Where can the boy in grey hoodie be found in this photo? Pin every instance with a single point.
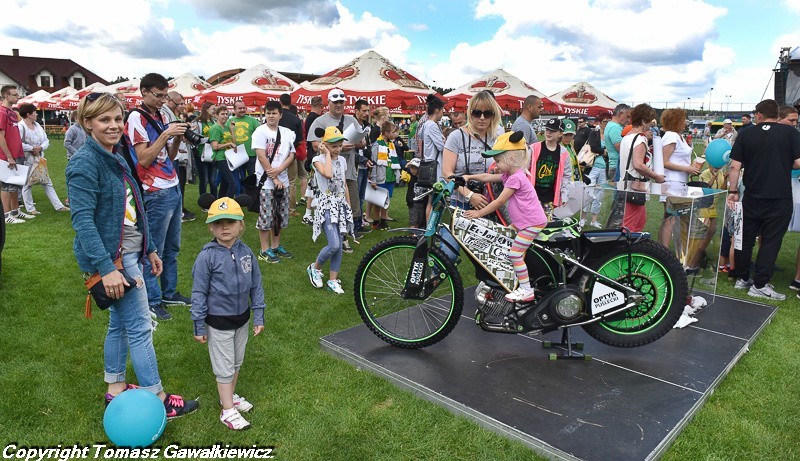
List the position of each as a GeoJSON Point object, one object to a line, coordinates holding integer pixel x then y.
{"type": "Point", "coordinates": [227, 286]}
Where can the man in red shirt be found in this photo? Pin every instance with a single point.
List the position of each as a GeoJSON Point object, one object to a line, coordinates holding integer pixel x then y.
{"type": "Point", "coordinates": [11, 152]}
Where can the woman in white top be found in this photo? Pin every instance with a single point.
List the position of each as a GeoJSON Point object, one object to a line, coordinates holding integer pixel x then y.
{"type": "Point", "coordinates": [637, 172]}
{"type": "Point", "coordinates": [677, 166]}
{"type": "Point", "coordinates": [34, 143]}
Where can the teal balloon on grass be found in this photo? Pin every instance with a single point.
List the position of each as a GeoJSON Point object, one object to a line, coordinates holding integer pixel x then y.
{"type": "Point", "coordinates": [718, 153]}
{"type": "Point", "coordinates": [135, 418]}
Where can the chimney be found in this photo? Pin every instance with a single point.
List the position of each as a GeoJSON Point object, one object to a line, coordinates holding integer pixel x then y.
{"type": "Point", "coordinates": [15, 52]}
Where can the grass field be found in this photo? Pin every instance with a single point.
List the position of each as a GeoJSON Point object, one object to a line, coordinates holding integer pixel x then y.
{"type": "Point", "coordinates": [309, 405]}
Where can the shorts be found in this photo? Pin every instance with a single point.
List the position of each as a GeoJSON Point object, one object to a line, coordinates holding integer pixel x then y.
{"type": "Point", "coordinates": [297, 170]}
{"type": "Point", "coordinates": [226, 349]}
{"type": "Point", "coordinates": [389, 186]}
{"type": "Point", "coordinates": [264, 222]}
{"type": "Point", "coordinates": [416, 215]}
{"type": "Point", "coordinates": [10, 188]}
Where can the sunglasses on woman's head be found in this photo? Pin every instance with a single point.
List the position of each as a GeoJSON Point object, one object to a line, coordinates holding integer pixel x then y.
{"type": "Point", "coordinates": [92, 97]}
{"type": "Point", "coordinates": [485, 113]}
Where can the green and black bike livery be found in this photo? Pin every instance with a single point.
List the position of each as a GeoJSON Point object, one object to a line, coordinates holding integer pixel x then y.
{"type": "Point", "coordinates": [622, 288]}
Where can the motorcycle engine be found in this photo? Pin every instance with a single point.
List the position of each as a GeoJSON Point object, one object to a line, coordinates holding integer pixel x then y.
{"type": "Point", "coordinates": [492, 301]}
{"type": "Point", "coordinates": [561, 306]}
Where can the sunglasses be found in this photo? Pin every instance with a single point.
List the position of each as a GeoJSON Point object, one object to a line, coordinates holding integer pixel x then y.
{"type": "Point", "coordinates": [485, 113]}
{"type": "Point", "coordinates": [92, 97]}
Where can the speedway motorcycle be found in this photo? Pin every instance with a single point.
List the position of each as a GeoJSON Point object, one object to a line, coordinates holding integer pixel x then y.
{"type": "Point", "coordinates": [622, 288]}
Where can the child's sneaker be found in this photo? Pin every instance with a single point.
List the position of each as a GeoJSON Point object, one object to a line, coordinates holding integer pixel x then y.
{"type": "Point", "coordinates": [234, 420]}
{"type": "Point", "coordinates": [520, 295]}
{"type": "Point", "coordinates": [767, 291]}
{"type": "Point", "coordinates": [177, 407]}
{"type": "Point", "coordinates": [110, 397]}
{"type": "Point", "coordinates": [582, 222]}
{"type": "Point", "coordinates": [314, 275]}
{"type": "Point", "coordinates": [335, 286]}
{"type": "Point", "coordinates": [269, 256]}
{"type": "Point", "coordinates": [595, 224]}
{"type": "Point", "coordinates": [281, 251]}
{"type": "Point", "coordinates": [308, 220]}
{"type": "Point", "coordinates": [795, 285]}
{"type": "Point", "coordinates": [346, 247]}
{"type": "Point", "coordinates": [241, 404]}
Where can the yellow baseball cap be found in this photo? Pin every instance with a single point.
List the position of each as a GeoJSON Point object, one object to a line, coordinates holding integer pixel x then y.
{"type": "Point", "coordinates": [224, 208]}
{"type": "Point", "coordinates": [513, 140]}
{"type": "Point", "coordinates": [332, 134]}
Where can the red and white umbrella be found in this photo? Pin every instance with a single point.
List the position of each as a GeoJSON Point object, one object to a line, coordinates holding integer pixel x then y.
{"type": "Point", "coordinates": [71, 102]}
{"type": "Point", "coordinates": [189, 86]}
{"type": "Point", "coordinates": [254, 86]}
{"type": "Point", "coordinates": [129, 89]}
{"type": "Point", "coordinates": [509, 91]}
{"type": "Point", "coordinates": [583, 99]}
{"type": "Point", "coordinates": [54, 101]}
{"type": "Point", "coordinates": [371, 77]}
{"type": "Point", "coordinates": [34, 98]}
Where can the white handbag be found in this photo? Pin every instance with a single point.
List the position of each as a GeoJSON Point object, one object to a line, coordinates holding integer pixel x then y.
{"type": "Point", "coordinates": [236, 157]}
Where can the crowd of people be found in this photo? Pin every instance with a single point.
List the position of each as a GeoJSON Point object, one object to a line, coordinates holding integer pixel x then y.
{"type": "Point", "coordinates": [127, 173]}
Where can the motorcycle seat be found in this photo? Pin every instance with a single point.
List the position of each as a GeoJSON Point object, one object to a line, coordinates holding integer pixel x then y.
{"type": "Point", "coordinates": [559, 230]}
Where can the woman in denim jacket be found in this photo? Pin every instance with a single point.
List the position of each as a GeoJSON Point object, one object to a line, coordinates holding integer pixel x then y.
{"type": "Point", "coordinates": [109, 220]}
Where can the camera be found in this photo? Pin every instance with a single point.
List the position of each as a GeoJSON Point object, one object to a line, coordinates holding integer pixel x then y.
{"type": "Point", "coordinates": [192, 137]}
{"type": "Point", "coordinates": [475, 186]}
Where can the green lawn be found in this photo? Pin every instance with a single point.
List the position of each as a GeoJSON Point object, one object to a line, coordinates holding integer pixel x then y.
{"type": "Point", "coordinates": [308, 404]}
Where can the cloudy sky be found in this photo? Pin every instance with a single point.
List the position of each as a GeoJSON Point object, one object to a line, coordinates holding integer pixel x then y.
{"type": "Point", "coordinates": [653, 51]}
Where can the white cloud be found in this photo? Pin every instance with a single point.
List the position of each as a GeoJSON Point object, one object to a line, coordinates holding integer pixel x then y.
{"type": "Point", "coordinates": [792, 5]}
{"type": "Point", "coordinates": [630, 49]}
{"type": "Point", "coordinates": [419, 27]}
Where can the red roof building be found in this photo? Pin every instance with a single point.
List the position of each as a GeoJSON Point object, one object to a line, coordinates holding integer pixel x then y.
{"type": "Point", "coordinates": [31, 74]}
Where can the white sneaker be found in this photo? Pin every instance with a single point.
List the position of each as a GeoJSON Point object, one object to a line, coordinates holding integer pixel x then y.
{"type": "Point", "coordinates": [233, 419]}
{"type": "Point", "coordinates": [742, 284]}
{"type": "Point", "coordinates": [13, 220]}
{"type": "Point", "coordinates": [25, 215]}
{"type": "Point", "coordinates": [520, 295]}
{"type": "Point", "coordinates": [582, 222]}
{"type": "Point", "coordinates": [767, 291]}
{"type": "Point", "coordinates": [596, 225]}
{"type": "Point", "coordinates": [241, 404]}
{"type": "Point", "coordinates": [314, 275]}
{"type": "Point", "coordinates": [335, 286]}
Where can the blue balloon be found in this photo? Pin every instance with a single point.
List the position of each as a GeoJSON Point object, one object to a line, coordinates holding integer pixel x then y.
{"type": "Point", "coordinates": [135, 418]}
{"type": "Point", "coordinates": [718, 153]}
{"type": "Point", "coordinates": [796, 173]}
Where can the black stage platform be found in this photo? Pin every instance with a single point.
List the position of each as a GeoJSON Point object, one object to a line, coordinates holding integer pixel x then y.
{"type": "Point", "coordinates": [624, 404]}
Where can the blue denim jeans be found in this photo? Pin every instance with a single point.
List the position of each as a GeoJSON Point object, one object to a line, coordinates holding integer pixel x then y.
{"type": "Point", "coordinates": [333, 250]}
{"type": "Point", "coordinates": [129, 329]}
{"type": "Point", "coordinates": [164, 219]}
{"type": "Point", "coordinates": [227, 180]}
{"type": "Point", "coordinates": [363, 179]}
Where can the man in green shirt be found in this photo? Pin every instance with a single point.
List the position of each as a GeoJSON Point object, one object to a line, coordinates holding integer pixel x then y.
{"type": "Point", "coordinates": [242, 127]}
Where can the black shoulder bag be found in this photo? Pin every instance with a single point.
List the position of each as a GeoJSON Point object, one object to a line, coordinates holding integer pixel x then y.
{"type": "Point", "coordinates": [428, 169]}
{"type": "Point", "coordinates": [634, 198]}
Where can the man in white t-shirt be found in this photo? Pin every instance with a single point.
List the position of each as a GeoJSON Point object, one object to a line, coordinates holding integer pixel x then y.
{"type": "Point", "coordinates": [274, 147]}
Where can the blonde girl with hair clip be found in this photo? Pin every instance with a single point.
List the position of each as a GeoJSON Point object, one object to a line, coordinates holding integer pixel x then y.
{"type": "Point", "coordinates": [524, 209]}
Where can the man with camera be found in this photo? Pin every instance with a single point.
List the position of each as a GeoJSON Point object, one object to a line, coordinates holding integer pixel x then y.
{"type": "Point", "coordinates": [155, 143]}
{"type": "Point", "coordinates": [172, 111]}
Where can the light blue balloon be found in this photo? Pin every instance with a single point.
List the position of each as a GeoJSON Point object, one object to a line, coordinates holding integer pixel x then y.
{"type": "Point", "coordinates": [135, 418]}
{"type": "Point", "coordinates": [796, 173]}
{"type": "Point", "coordinates": [718, 153]}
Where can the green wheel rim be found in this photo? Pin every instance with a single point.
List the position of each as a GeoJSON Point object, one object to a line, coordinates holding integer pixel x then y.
{"type": "Point", "coordinates": [435, 309]}
{"type": "Point", "coordinates": [652, 279]}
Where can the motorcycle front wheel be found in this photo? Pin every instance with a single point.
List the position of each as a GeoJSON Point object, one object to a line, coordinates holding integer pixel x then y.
{"type": "Point", "coordinates": [659, 277]}
{"type": "Point", "coordinates": [409, 323]}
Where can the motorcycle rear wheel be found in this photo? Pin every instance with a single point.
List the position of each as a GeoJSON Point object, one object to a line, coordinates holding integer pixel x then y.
{"type": "Point", "coordinates": [408, 323]}
{"type": "Point", "coordinates": [659, 276]}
